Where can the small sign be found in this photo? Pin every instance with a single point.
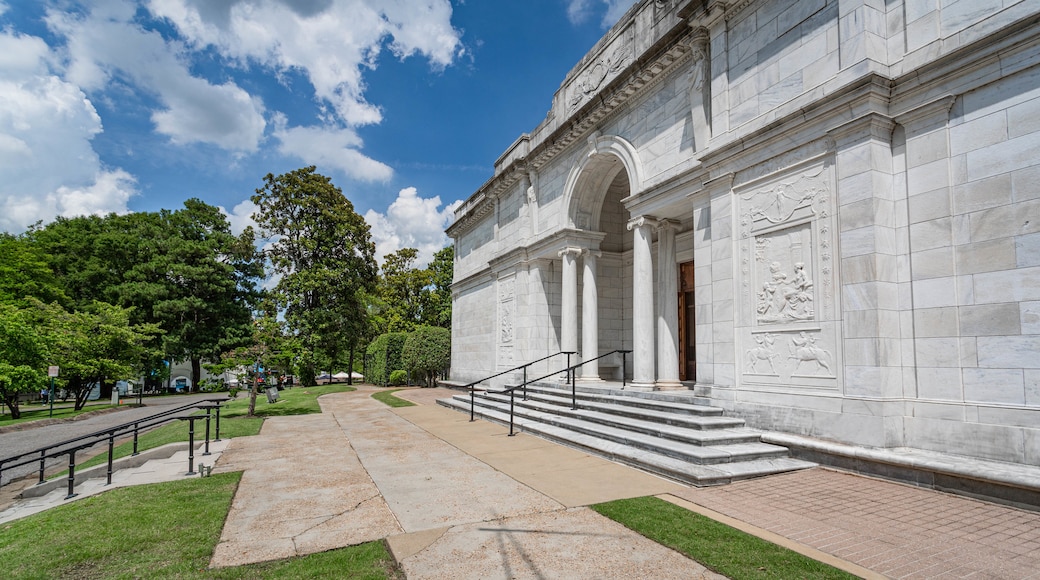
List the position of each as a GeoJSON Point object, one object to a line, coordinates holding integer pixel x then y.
{"type": "Point", "coordinates": [52, 371]}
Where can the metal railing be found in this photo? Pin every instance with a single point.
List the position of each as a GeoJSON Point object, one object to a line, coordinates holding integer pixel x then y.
{"type": "Point", "coordinates": [71, 446]}
{"type": "Point", "coordinates": [472, 386]}
{"type": "Point", "coordinates": [570, 376]}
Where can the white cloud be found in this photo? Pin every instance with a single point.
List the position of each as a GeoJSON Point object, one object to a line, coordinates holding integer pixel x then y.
{"type": "Point", "coordinates": [47, 164]}
{"type": "Point", "coordinates": [579, 11]}
{"type": "Point", "coordinates": [108, 45]}
{"type": "Point", "coordinates": [331, 41]}
{"type": "Point", "coordinates": [411, 222]}
{"type": "Point", "coordinates": [241, 216]}
{"type": "Point", "coordinates": [334, 147]}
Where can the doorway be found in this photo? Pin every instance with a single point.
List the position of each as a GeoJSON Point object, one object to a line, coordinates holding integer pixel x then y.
{"type": "Point", "coordinates": [687, 324]}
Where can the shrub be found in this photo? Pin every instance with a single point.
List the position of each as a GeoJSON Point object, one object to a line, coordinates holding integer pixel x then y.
{"type": "Point", "coordinates": [384, 355]}
{"type": "Point", "coordinates": [428, 352]}
{"type": "Point", "coordinates": [398, 377]}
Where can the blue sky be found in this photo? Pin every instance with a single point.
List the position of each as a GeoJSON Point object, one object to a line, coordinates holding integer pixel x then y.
{"type": "Point", "coordinates": [137, 105]}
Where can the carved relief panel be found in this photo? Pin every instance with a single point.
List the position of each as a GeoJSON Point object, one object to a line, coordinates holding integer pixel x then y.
{"type": "Point", "coordinates": [786, 328]}
{"type": "Point", "coordinates": [506, 320]}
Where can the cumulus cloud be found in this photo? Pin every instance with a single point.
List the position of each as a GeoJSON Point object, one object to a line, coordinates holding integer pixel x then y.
{"type": "Point", "coordinates": [335, 147]}
{"type": "Point", "coordinates": [580, 11]}
{"type": "Point", "coordinates": [411, 222]}
{"type": "Point", "coordinates": [47, 164]}
{"type": "Point", "coordinates": [241, 216]}
{"type": "Point", "coordinates": [331, 41]}
{"type": "Point", "coordinates": [108, 44]}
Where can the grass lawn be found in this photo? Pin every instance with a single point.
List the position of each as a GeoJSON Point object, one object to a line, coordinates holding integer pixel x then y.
{"type": "Point", "coordinates": [165, 530]}
{"type": "Point", "coordinates": [37, 412]}
{"type": "Point", "coordinates": [388, 398]}
{"type": "Point", "coordinates": [294, 401]}
{"type": "Point", "coordinates": [721, 548]}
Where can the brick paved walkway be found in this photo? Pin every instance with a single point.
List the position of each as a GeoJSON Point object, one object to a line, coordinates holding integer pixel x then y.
{"type": "Point", "coordinates": [894, 529]}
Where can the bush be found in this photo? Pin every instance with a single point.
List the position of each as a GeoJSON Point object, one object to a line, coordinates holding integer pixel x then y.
{"type": "Point", "coordinates": [398, 377]}
{"type": "Point", "coordinates": [384, 355]}
{"type": "Point", "coordinates": [428, 352]}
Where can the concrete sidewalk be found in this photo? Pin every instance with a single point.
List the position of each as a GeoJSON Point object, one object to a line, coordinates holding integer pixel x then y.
{"type": "Point", "coordinates": [456, 499]}
{"type": "Point", "coordinates": [362, 471]}
{"type": "Point", "coordinates": [464, 500]}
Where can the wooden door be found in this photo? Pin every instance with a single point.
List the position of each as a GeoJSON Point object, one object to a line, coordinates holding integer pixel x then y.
{"type": "Point", "coordinates": [687, 324]}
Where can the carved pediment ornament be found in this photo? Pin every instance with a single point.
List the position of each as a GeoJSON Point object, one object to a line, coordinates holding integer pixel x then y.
{"type": "Point", "coordinates": [593, 77]}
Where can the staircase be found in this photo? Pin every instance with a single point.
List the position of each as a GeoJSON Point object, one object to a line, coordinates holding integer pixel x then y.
{"type": "Point", "coordinates": [669, 434]}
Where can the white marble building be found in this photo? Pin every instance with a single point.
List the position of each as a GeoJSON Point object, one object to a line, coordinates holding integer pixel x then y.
{"type": "Point", "coordinates": [822, 214]}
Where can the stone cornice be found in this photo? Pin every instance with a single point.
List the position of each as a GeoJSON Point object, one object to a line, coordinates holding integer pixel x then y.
{"type": "Point", "coordinates": [636, 79]}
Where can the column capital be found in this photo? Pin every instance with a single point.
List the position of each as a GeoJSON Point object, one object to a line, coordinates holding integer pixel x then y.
{"type": "Point", "coordinates": [641, 221]}
{"type": "Point", "coordinates": [570, 251]}
{"type": "Point", "coordinates": [591, 252]}
{"type": "Point", "coordinates": [668, 224]}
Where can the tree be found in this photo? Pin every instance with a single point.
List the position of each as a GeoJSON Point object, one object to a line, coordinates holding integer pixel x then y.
{"type": "Point", "coordinates": [401, 289]}
{"type": "Point", "coordinates": [438, 300]}
{"type": "Point", "coordinates": [323, 251]}
{"type": "Point", "coordinates": [24, 272]}
{"type": "Point", "coordinates": [427, 351]}
{"type": "Point", "coordinates": [208, 284]}
{"type": "Point", "coordinates": [22, 357]}
{"type": "Point", "coordinates": [95, 345]}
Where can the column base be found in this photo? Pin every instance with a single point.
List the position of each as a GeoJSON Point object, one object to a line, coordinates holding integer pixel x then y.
{"type": "Point", "coordinates": [593, 379]}
{"type": "Point", "coordinates": [669, 386]}
{"type": "Point", "coordinates": [633, 386]}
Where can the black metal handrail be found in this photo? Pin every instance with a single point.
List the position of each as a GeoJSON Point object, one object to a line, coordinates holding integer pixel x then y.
{"type": "Point", "coordinates": [472, 386]}
{"type": "Point", "coordinates": [570, 376]}
{"type": "Point", "coordinates": [71, 446]}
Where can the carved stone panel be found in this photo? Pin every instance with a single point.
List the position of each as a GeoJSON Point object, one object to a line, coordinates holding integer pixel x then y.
{"type": "Point", "coordinates": [786, 331]}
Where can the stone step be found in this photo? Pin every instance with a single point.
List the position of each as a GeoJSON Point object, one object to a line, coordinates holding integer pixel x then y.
{"type": "Point", "coordinates": [693, 429]}
{"type": "Point", "coordinates": [631, 399]}
{"type": "Point", "coordinates": [701, 417]}
{"type": "Point", "coordinates": [654, 462]}
{"type": "Point", "coordinates": [677, 447]}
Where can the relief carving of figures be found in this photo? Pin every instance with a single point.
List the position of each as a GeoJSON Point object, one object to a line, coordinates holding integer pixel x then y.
{"type": "Point", "coordinates": [763, 352]}
{"type": "Point", "coordinates": [784, 300]}
{"type": "Point", "coordinates": [507, 322]}
{"type": "Point", "coordinates": [803, 349]}
{"type": "Point", "coordinates": [780, 202]}
{"type": "Point", "coordinates": [597, 73]}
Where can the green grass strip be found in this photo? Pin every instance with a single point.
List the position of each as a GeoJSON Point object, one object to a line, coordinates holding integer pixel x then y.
{"type": "Point", "coordinates": [388, 397]}
{"type": "Point", "coordinates": [294, 401]}
{"type": "Point", "coordinates": [717, 546]}
{"type": "Point", "coordinates": [165, 530]}
{"type": "Point", "coordinates": [37, 413]}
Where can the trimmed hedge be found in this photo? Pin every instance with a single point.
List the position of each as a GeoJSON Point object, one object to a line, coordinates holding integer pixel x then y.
{"type": "Point", "coordinates": [398, 377]}
{"type": "Point", "coordinates": [384, 356]}
{"type": "Point", "coordinates": [427, 352]}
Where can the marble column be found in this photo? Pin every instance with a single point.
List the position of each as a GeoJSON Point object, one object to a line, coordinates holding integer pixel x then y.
{"type": "Point", "coordinates": [569, 300]}
{"type": "Point", "coordinates": [642, 304]}
{"type": "Point", "coordinates": [667, 309]}
{"type": "Point", "coordinates": [589, 317]}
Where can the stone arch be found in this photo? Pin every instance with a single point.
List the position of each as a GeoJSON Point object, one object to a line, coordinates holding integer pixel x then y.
{"type": "Point", "coordinates": [607, 155]}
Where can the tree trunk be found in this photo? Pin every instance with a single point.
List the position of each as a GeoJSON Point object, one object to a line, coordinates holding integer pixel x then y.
{"type": "Point", "coordinates": [252, 395]}
{"type": "Point", "coordinates": [350, 365]}
{"type": "Point", "coordinates": [105, 388]}
{"type": "Point", "coordinates": [11, 401]}
{"type": "Point", "coordinates": [196, 373]}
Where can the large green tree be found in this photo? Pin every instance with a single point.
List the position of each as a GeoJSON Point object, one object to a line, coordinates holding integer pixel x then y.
{"type": "Point", "coordinates": [23, 356]}
{"type": "Point", "coordinates": [25, 272]}
{"type": "Point", "coordinates": [323, 251]}
{"type": "Point", "coordinates": [438, 292]}
{"type": "Point", "coordinates": [401, 288]}
{"type": "Point", "coordinates": [208, 284]}
{"type": "Point", "coordinates": [181, 270]}
{"type": "Point", "coordinates": [93, 346]}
